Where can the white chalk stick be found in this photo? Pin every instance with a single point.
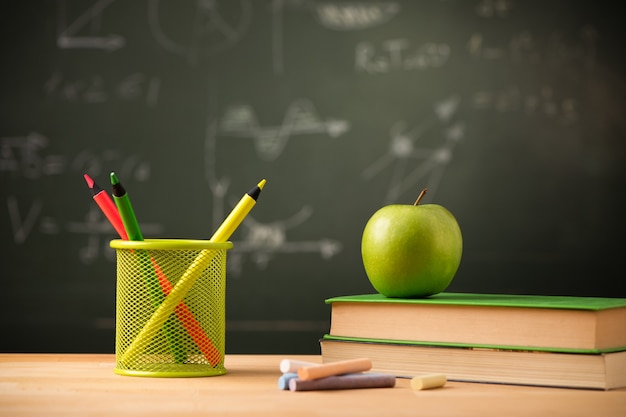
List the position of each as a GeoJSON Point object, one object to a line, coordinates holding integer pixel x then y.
{"type": "Point", "coordinates": [292, 365]}
{"type": "Point", "coordinates": [429, 381]}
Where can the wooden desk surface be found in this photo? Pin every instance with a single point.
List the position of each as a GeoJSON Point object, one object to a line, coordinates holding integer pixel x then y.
{"type": "Point", "coordinates": [85, 385]}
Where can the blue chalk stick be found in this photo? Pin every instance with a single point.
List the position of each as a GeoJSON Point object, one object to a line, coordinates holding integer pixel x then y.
{"type": "Point", "coordinates": [283, 381]}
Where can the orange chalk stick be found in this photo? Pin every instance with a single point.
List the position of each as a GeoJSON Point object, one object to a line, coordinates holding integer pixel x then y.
{"type": "Point", "coordinates": [334, 368]}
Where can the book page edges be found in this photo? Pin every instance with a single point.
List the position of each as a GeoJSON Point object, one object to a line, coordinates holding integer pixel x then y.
{"type": "Point", "coordinates": [474, 346]}
{"type": "Point", "coordinates": [615, 368]}
{"type": "Point", "coordinates": [507, 367]}
{"type": "Point", "coordinates": [493, 300]}
{"type": "Point", "coordinates": [556, 329]}
{"type": "Point", "coordinates": [611, 328]}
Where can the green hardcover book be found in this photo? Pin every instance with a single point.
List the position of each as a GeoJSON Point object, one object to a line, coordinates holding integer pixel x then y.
{"type": "Point", "coordinates": [526, 367]}
{"type": "Point", "coordinates": [499, 321]}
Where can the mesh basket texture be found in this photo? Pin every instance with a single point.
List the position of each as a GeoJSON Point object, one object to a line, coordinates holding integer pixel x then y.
{"type": "Point", "coordinates": [191, 340]}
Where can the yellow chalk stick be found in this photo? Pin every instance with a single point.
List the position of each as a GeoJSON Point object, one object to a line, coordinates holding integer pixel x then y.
{"type": "Point", "coordinates": [334, 368]}
{"type": "Point", "coordinates": [428, 381]}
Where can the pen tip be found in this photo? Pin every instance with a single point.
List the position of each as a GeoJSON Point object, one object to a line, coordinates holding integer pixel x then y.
{"type": "Point", "coordinates": [114, 179]}
{"type": "Point", "coordinates": [90, 182]}
{"type": "Point", "coordinates": [261, 184]}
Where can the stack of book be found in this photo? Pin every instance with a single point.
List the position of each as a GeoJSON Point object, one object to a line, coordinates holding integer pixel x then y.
{"type": "Point", "coordinates": [574, 342]}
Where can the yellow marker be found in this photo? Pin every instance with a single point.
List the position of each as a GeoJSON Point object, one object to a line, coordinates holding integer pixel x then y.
{"type": "Point", "coordinates": [237, 215]}
{"type": "Point", "coordinates": [189, 277]}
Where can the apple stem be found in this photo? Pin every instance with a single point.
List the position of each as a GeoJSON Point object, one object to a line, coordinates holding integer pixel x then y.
{"type": "Point", "coordinates": [419, 197]}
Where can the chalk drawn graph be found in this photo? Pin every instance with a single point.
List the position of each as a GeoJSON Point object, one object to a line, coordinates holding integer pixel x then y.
{"type": "Point", "coordinates": [301, 119]}
{"type": "Point", "coordinates": [410, 164]}
{"type": "Point", "coordinates": [263, 241]}
{"type": "Point", "coordinates": [403, 153]}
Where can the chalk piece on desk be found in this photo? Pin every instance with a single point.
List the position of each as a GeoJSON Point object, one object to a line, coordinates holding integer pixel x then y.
{"type": "Point", "coordinates": [335, 368]}
{"type": "Point", "coordinates": [292, 365]}
{"type": "Point", "coordinates": [421, 382]}
{"type": "Point", "coordinates": [349, 381]}
{"type": "Point", "coordinates": [283, 381]}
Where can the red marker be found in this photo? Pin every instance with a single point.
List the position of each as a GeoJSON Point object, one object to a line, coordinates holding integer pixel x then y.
{"type": "Point", "coordinates": [107, 206]}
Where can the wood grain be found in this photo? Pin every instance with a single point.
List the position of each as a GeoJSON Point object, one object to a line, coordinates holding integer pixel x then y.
{"type": "Point", "coordinates": [85, 385]}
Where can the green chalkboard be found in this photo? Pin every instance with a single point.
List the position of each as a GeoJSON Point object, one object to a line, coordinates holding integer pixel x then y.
{"type": "Point", "coordinates": [510, 112]}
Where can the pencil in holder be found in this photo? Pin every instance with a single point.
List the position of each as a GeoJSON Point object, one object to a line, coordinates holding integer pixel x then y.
{"type": "Point", "coordinates": [189, 340]}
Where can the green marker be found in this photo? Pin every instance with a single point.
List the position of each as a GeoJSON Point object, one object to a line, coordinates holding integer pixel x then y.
{"type": "Point", "coordinates": [152, 284]}
{"type": "Point", "coordinates": [126, 209]}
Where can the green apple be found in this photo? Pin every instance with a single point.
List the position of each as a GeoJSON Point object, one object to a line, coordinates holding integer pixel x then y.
{"type": "Point", "coordinates": [411, 250]}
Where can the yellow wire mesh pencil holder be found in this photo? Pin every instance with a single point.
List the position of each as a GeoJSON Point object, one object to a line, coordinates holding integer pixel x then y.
{"type": "Point", "coordinates": [191, 340]}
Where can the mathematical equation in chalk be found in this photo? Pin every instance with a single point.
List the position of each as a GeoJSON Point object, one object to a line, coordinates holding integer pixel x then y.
{"type": "Point", "coordinates": [218, 28]}
{"type": "Point", "coordinates": [95, 89]}
{"type": "Point", "coordinates": [29, 217]}
{"type": "Point", "coordinates": [523, 48]}
{"type": "Point", "coordinates": [541, 102]}
{"type": "Point", "coordinates": [29, 158]}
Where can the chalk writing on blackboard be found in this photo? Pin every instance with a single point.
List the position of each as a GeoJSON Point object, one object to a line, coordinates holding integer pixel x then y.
{"type": "Point", "coordinates": [541, 102]}
{"type": "Point", "coordinates": [22, 155]}
{"type": "Point", "coordinates": [434, 160]}
{"type": "Point", "coordinates": [354, 15]}
{"type": "Point", "coordinates": [98, 233]}
{"type": "Point", "coordinates": [27, 156]}
{"type": "Point", "coordinates": [22, 224]}
{"type": "Point", "coordinates": [301, 119]}
{"type": "Point", "coordinates": [27, 217]}
{"type": "Point", "coordinates": [399, 55]}
{"type": "Point", "coordinates": [524, 48]}
{"type": "Point", "coordinates": [96, 89]}
{"type": "Point", "coordinates": [341, 16]}
{"type": "Point", "coordinates": [263, 241]}
{"type": "Point", "coordinates": [71, 29]}
{"type": "Point", "coordinates": [209, 30]}
{"type": "Point", "coordinates": [494, 8]}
